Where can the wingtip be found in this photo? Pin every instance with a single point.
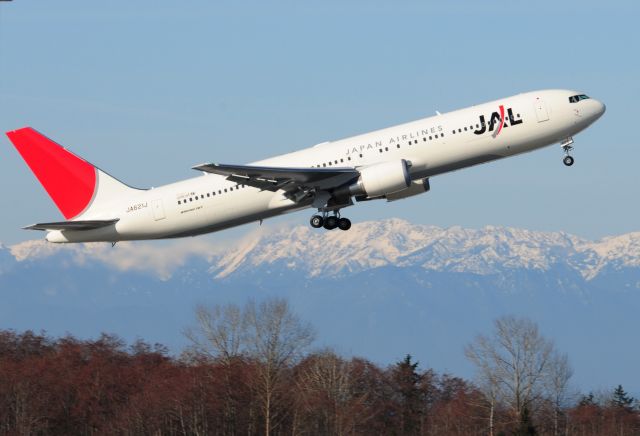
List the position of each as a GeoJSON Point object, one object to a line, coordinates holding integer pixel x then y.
{"type": "Point", "coordinates": [200, 167]}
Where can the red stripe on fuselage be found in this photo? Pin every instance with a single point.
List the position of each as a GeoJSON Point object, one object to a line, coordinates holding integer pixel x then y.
{"type": "Point", "coordinates": [69, 180]}
{"type": "Point", "coordinates": [501, 120]}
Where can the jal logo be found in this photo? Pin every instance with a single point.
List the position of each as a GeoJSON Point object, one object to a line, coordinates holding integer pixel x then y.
{"type": "Point", "coordinates": [499, 119]}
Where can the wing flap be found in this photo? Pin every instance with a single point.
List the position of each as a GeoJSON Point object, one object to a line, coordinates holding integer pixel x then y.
{"type": "Point", "coordinates": [72, 225]}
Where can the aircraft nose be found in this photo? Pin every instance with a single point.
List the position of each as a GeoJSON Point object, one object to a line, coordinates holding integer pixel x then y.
{"type": "Point", "coordinates": [598, 109]}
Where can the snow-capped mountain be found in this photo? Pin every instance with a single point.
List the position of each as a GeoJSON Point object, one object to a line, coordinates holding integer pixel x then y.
{"type": "Point", "coordinates": [366, 246]}
{"type": "Point", "coordinates": [380, 290]}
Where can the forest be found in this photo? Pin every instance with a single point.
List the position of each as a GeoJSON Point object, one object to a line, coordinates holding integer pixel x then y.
{"type": "Point", "coordinates": [252, 370]}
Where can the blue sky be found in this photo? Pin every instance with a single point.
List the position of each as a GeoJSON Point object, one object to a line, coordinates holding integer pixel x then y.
{"type": "Point", "coordinates": [146, 90]}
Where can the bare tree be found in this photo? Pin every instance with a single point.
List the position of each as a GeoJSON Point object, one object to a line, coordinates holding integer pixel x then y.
{"type": "Point", "coordinates": [513, 363]}
{"type": "Point", "coordinates": [489, 390]}
{"type": "Point", "coordinates": [558, 377]}
{"type": "Point", "coordinates": [276, 338]}
{"type": "Point", "coordinates": [268, 333]}
{"type": "Point", "coordinates": [220, 332]}
{"type": "Point", "coordinates": [325, 384]}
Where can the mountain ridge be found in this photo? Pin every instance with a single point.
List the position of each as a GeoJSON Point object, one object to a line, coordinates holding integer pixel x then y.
{"type": "Point", "coordinates": [368, 245]}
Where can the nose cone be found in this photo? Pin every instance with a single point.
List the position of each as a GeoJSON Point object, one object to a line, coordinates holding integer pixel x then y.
{"type": "Point", "coordinates": [597, 109]}
{"type": "Point", "coordinates": [601, 108]}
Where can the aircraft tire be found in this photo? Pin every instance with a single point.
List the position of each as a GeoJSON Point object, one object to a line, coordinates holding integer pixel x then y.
{"type": "Point", "coordinates": [330, 223]}
{"type": "Point", "coordinates": [344, 224]}
{"type": "Point", "coordinates": [568, 160]}
{"type": "Point", "coordinates": [316, 221]}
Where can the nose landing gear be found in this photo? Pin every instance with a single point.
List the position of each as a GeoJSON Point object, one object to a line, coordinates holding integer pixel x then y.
{"type": "Point", "coordinates": [567, 146]}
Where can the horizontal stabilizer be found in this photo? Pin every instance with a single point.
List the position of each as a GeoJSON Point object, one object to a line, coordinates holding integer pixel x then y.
{"type": "Point", "coordinates": [72, 225]}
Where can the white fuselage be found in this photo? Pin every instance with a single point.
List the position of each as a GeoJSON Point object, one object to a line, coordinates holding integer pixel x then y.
{"type": "Point", "coordinates": [433, 146]}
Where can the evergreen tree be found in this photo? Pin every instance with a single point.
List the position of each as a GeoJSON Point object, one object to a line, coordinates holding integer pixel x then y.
{"type": "Point", "coordinates": [407, 385]}
{"type": "Point", "coordinates": [587, 400]}
{"type": "Point", "coordinates": [622, 399]}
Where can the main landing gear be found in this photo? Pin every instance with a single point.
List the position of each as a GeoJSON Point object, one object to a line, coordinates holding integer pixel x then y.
{"type": "Point", "coordinates": [330, 222]}
{"type": "Point", "coordinates": [567, 146]}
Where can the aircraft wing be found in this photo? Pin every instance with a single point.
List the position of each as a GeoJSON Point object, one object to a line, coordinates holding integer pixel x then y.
{"type": "Point", "coordinates": [287, 178]}
{"type": "Point", "coordinates": [72, 225]}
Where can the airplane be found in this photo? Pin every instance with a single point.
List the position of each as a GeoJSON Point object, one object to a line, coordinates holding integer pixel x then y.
{"type": "Point", "coordinates": [391, 164]}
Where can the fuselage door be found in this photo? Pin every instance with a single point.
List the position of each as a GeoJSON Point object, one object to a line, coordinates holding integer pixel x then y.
{"type": "Point", "coordinates": [541, 110]}
{"type": "Point", "coordinates": [158, 210]}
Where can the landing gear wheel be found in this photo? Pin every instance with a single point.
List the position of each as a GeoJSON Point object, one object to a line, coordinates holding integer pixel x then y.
{"type": "Point", "coordinates": [330, 222]}
{"type": "Point", "coordinates": [316, 221]}
{"type": "Point", "coordinates": [344, 224]}
{"type": "Point", "coordinates": [568, 161]}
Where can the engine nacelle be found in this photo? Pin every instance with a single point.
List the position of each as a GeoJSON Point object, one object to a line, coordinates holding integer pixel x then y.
{"type": "Point", "coordinates": [417, 187]}
{"type": "Point", "coordinates": [384, 178]}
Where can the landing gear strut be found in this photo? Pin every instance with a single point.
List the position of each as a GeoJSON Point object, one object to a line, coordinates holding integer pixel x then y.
{"type": "Point", "coordinates": [567, 146]}
{"type": "Point", "coordinates": [330, 222]}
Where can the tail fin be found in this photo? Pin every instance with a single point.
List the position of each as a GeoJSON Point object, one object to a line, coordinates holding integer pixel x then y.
{"type": "Point", "coordinates": [74, 185]}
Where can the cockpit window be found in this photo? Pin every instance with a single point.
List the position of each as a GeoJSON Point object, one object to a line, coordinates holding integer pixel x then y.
{"type": "Point", "coordinates": [577, 98]}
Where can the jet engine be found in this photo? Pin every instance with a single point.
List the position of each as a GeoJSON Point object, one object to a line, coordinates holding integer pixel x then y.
{"type": "Point", "coordinates": [417, 187]}
{"type": "Point", "coordinates": [383, 178]}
